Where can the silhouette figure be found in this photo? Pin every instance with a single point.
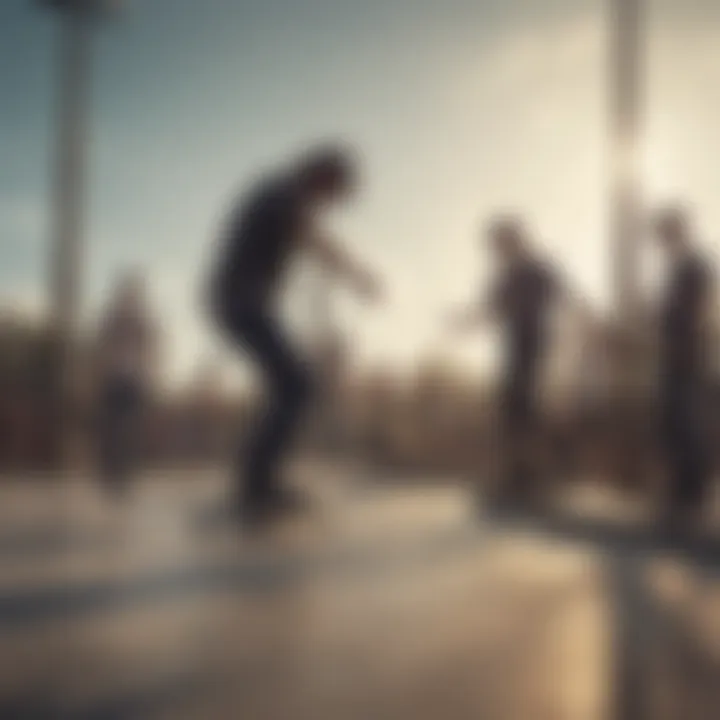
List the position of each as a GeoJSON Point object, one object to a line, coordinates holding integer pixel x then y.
{"type": "Point", "coordinates": [126, 354]}
{"type": "Point", "coordinates": [521, 300]}
{"type": "Point", "coordinates": [265, 234]}
{"type": "Point", "coordinates": [683, 369]}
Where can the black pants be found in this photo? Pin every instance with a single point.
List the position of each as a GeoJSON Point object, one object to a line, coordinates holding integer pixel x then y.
{"type": "Point", "coordinates": [121, 406]}
{"type": "Point", "coordinates": [288, 392]}
{"type": "Point", "coordinates": [684, 435]}
{"type": "Point", "coordinates": [518, 425]}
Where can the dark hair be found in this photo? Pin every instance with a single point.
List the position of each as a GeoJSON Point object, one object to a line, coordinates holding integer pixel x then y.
{"type": "Point", "coordinates": [672, 219]}
{"type": "Point", "coordinates": [506, 225]}
{"type": "Point", "coordinates": [328, 165]}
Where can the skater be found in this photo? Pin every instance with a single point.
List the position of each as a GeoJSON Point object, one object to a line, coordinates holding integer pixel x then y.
{"type": "Point", "coordinates": [524, 294]}
{"type": "Point", "coordinates": [266, 234]}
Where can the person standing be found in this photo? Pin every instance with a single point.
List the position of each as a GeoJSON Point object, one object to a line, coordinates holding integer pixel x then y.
{"type": "Point", "coordinates": [268, 230]}
{"type": "Point", "coordinates": [684, 316]}
{"type": "Point", "coordinates": [523, 296]}
{"type": "Point", "coordinates": [127, 361]}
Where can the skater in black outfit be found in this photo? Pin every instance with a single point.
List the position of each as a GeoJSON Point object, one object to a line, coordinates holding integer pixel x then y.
{"type": "Point", "coordinates": [266, 234]}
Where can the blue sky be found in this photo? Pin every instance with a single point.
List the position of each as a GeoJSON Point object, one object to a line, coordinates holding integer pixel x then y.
{"type": "Point", "coordinates": [459, 107]}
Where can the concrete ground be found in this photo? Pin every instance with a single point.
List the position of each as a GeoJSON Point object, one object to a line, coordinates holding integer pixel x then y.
{"type": "Point", "coordinates": [391, 602]}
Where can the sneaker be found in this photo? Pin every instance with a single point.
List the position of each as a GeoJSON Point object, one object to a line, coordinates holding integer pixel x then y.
{"type": "Point", "coordinates": [254, 514]}
{"type": "Point", "coordinates": [280, 503]}
{"type": "Point", "coordinates": [681, 524]}
{"type": "Point", "coordinates": [289, 500]}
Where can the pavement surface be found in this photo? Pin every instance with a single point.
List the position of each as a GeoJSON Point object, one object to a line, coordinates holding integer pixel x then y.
{"type": "Point", "coordinates": [391, 601]}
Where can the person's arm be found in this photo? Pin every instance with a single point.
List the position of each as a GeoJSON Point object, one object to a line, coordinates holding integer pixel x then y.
{"type": "Point", "coordinates": [339, 261]}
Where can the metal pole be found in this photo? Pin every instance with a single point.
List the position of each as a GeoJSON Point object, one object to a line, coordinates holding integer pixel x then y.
{"type": "Point", "coordinates": [630, 377]}
{"type": "Point", "coordinates": [626, 35]}
{"type": "Point", "coordinates": [625, 109]}
{"type": "Point", "coordinates": [66, 254]}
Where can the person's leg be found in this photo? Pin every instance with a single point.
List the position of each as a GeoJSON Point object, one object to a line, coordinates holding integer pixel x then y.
{"type": "Point", "coordinates": [686, 452]}
{"type": "Point", "coordinates": [672, 446]}
{"type": "Point", "coordinates": [686, 482]}
{"type": "Point", "coordinates": [518, 442]}
{"type": "Point", "coordinates": [677, 466]}
{"type": "Point", "coordinates": [287, 392]}
{"type": "Point", "coordinates": [129, 431]}
{"type": "Point", "coordinates": [104, 435]}
{"type": "Point", "coordinates": [693, 480]}
{"type": "Point", "coordinates": [509, 443]}
{"type": "Point", "coordinates": [111, 458]}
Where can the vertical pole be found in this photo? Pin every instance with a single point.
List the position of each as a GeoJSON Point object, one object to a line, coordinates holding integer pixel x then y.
{"type": "Point", "coordinates": [625, 109]}
{"type": "Point", "coordinates": [626, 225]}
{"type": "Point", "coordinates": [66, 253]}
